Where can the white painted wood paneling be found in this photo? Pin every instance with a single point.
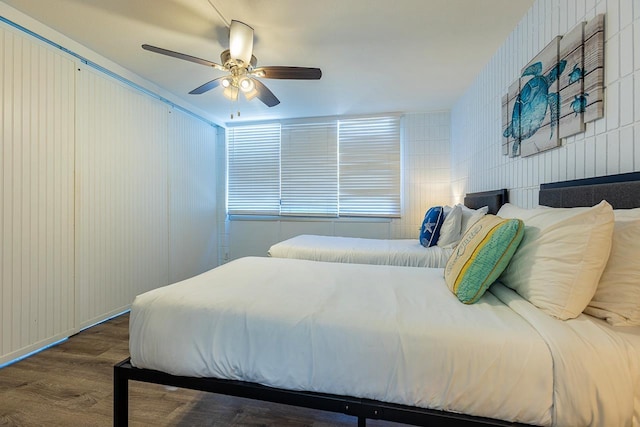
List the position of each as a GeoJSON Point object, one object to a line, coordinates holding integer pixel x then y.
{"type": "Point", "coordinates": [121, 201]}
{"type": "Point", "coordinates": [609, 145]}
{"type": "Point", "coordinates": [36, 195]}
{"type": "Point", "coordinates": [193, 232]}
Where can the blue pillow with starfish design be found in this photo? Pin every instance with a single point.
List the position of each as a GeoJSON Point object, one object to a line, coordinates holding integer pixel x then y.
{"type": "Point", "coordinates": [430, 231]}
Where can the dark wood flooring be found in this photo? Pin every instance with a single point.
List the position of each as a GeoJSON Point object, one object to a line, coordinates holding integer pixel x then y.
{"type": "Point", "coordinates": [71, 384]}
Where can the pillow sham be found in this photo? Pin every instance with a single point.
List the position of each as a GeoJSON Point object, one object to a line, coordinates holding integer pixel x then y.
{"type": "Point", "coordinates": [450, 230]}
{"type": "Point", "coordinates": [470, 217]}
{"type": "Point", "coordinates": [481, 256]}
{"type": "Point", "coordinates": [564, 251]}
{"type": "Point", "coordinates": [430, 230]}
{"type": "Point", "coordinates": [617, 298]}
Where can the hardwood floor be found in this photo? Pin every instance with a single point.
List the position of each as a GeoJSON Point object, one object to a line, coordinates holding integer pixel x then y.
{"type": "Point", "coordinates": [71, 384]}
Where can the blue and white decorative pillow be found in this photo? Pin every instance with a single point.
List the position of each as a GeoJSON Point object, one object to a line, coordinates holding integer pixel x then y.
{"type": "Point", "coordinates": [430, 231]}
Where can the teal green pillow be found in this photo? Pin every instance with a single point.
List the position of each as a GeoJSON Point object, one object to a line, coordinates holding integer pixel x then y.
{"type": "Point", "coordinates": [481, 256]}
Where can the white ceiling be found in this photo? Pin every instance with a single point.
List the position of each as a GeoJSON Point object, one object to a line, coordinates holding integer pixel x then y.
{"type": "Point", "coordinates": [376, 55]}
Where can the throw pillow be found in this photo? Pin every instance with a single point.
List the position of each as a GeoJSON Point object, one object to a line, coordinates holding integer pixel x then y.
{"type": "Point", "coordinates": [481, 256]}
{"type": "Point", "coordinates": [430, 230]}
{"type": "Point", "coordinates": [450, 230]}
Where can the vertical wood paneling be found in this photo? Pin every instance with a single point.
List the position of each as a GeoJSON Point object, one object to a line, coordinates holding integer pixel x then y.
{"type": "Point", "coordinates": [76, 249]}
{"type": "Point", "coordinates": [36, 194]}
{"type": "Point", "coordinates": [121, 202]}
{"type": "Point", "coordinates": [193, 233]}
{"type": "Point", "coordinates": [609, 145]}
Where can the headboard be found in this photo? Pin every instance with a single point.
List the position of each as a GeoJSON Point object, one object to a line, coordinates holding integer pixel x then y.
{"type": "Point", "coordinates": [494, 199]}
{"type": "Point", "coordinates": [622, 191]}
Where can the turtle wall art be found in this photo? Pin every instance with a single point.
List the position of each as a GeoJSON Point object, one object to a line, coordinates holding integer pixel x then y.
{"type": "Point", "coordinates": [558, 91]}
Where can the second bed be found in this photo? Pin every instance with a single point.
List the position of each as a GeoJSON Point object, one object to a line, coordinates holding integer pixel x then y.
{"type": "Point", "coordinates": [401, 252]}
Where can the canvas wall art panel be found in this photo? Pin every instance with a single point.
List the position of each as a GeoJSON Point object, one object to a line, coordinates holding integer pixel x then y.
{"type": "Point", "coordinates": [510, 131]}
{"type": "Point", "coordinates": [572, 96]}
{"type": "Point", "coordinates": [558, 91]}
{"type": "Point", "coordinates": [540, 101]}
{"type": "Point", "coordinates": [594, 69]}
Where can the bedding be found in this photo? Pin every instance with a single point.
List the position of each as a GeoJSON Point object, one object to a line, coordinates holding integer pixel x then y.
{"type": "Point", "coordinates": [398, 338]}
{"type": "Point", "coordinates": [617, 297]}
{"type": "Point", "coordinates": [409, 251]}
{"type": "Point", "coordinates": [403, 252]}
{"type": "Point", "coordinates": [450, 231]}
{"type": "Point", "coordinates": [562, 255]}
{"type": "Point", "coordinates": [392, 334]}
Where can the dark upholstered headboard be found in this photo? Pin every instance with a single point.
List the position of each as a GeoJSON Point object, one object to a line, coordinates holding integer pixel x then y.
{"type": "Point", "coordinates": [494, 199]}
{"type": "Point", "coordinates": [622, 191]}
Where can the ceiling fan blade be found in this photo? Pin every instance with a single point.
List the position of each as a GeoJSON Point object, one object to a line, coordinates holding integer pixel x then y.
{"type": "Point", "coordinates": [265, 95]}
{"type": "Point", "coordinates": [206, 87]}
{"type": "Point", "coordinates": [240, 41]}
{"type": "Point", "coordinates": [293, 73]}
{"type": "Point", "coordinates": [182, 56]}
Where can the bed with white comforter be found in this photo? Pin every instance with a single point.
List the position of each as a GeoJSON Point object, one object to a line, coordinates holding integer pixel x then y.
{"type": "Point", "coordinates": [393, 334]}
{"type": "Point", "coordinates": [405, 252]}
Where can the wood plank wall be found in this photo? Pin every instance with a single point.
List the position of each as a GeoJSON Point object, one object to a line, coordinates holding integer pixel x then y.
{"type": "Point", "coordinates": [105, 192]}
{"type": "Point", "coordinates": [36, 195]}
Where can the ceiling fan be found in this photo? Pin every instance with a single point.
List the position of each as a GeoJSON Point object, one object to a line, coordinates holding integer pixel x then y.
{"type": "Point", "coordinates": [240, 64]}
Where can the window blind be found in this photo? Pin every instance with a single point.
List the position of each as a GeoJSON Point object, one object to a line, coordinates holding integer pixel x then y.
{"type": "Point", "coordinates": [369, 153]}
{"type": "Point", "coordinates": [309, 169]}
{"type": "Point", "coordinates": [253, 170]}
{"type": "Point", "coordinates": [315, 168]}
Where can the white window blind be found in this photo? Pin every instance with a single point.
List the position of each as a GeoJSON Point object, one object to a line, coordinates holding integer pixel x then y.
{"type": "Point", "coordinates": [309, 174]}
{"type": "Point", "coordinates": [253, 170]}
{"type": "Point", "coordinates": [369, 166]}
{"type": "Point", "coordinates": [315, 168]}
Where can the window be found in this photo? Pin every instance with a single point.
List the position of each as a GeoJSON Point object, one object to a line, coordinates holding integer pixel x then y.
{"type": "Point", "coordinates": [309, 169]}
{"type": "Point", "coordinates": [254, 170]}
{"type": "Point", "coordinates": [370, 167]}
{"type": "Point", "coordinates": [315, 168]}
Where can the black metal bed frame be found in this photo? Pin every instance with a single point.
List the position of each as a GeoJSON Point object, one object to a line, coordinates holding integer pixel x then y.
{"type": "Point", "coordinates": [363, 409]}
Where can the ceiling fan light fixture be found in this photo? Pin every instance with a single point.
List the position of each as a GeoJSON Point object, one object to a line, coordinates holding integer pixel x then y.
{"type": "Point", "coordinates": [226, 82]}
{"type": "Point", "coordinates": [240, 41]}
{"type": "Point", "coordinates": [231, 93]}
{"type": "Point", "coordinates": [246, 84]}
{"type": "Point", "coordinates": [249, 95]}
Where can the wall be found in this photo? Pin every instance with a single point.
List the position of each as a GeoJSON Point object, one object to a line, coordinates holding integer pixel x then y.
{"type": "Point", "coordinates": [610, 145]}
{"type": "Point", "coordinates": [105, 192]}
{"type": "Point", "coordinates": [425, 182]}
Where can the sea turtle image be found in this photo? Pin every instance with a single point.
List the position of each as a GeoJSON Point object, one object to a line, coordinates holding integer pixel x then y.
{"type": "Point", "coordinates": [532, 103]}
{"type": "Point", "coordinates": [576, 74]}
{"type": "Point", "coordinates": [579, 104]}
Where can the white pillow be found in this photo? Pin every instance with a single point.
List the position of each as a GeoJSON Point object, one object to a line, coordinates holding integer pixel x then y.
{"type": "Point", "coordinates": [450, 230]}
{"type": "Point", "coordinates": [558, 265]}
{"type": "Point", "coordinates": [617, 298]}
{"type": "Point", "coordinates": [512, 211]}
{"type": "Point", "coordinates": [470, 217]}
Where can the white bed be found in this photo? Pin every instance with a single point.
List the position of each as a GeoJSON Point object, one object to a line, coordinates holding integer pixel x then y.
{"type": "Point", "coordinates": [393, 342]}
{"type": "Point", "coordinates": [403, 252]}
{"type": "Point", "coordinates": [392, 334]}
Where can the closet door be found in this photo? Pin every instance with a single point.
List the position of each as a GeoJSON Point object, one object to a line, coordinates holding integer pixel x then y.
{"type": "Point", "coordinates": [36, 194]}
{"type": "Point", "coordinates": [121, 205]}
{"type": "Point", "coordinates": [193, 232]}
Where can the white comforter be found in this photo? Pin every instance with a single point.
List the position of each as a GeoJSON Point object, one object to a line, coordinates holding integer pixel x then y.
{"type": "Point", "coordinates": [394, 334]}
{"type": "Point", "coordinates": [404, 252]}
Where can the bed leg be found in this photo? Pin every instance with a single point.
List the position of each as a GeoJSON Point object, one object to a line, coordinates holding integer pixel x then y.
{"type": "Point", "coordinates": [120, 398]}
{"type": "Point", "coordinates": [362, 422]}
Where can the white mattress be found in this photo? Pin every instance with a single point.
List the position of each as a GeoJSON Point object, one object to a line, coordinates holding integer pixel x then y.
{"type": "Point", "coordinates": [394, 334]}
{"type": "Point", "coordinates": [404, 252]}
